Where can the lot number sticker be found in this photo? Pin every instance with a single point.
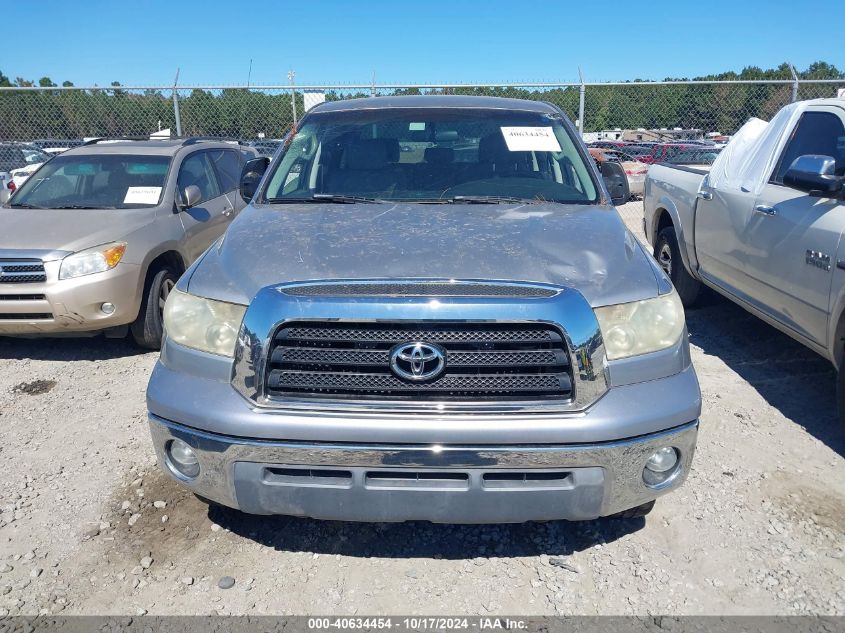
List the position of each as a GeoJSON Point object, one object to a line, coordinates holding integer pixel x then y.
{"type": "Point", "coordinates": [530, 139]}
{"type": "Point", "coordinates": [142, 195]}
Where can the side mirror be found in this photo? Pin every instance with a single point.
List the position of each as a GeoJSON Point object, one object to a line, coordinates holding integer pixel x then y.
{"type": "Point", "coordinates": [616, 182]}
{"type": "Point", "coordinates": [816, 175]}
{"type": "Point", "coordinates": [191, 196]}
{"type": "Point", "coordinates": [251, 175]}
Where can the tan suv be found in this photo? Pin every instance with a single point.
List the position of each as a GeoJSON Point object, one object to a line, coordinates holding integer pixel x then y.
{"type": "Point", "coordinates": [98, 236]}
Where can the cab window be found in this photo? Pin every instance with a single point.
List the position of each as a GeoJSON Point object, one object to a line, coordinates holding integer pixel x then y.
{"type": "Point", "coordinates": [816, 133]}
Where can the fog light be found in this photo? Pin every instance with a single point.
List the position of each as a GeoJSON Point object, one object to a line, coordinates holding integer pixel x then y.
{"type": "Point", "coordinates": [182, 459]}
{"type": "Point", "coordinates": [107, 308]}
{"type": "Point", "coordinates": [661, 466]}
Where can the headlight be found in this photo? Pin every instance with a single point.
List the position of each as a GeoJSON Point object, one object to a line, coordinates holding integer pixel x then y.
{"type": "Point", "coordinates": [640, 327]}
{"type": "Point", "coordinates": [93, 260]}
{"type": "Point", "coordinates": [203, 324]}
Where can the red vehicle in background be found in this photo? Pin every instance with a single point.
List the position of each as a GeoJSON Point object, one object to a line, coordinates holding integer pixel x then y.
{"type": "Point", "coordinates": [663, 152]}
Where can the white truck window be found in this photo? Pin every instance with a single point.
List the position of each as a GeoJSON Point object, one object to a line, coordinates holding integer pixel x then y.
{"type": "Point", "coordinates": [816, 133]}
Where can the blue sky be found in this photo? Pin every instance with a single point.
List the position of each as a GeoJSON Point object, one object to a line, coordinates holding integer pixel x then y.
{"type": "Point", "coordinates": [141, 42]}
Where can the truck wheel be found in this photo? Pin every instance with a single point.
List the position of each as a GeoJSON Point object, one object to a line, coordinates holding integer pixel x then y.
{"type": "Point", "coordinates": [148, 328]}
{"type": "Point", "coordinates": [634, 513]}
{"type": "Point", "coordinates": [668, 255]}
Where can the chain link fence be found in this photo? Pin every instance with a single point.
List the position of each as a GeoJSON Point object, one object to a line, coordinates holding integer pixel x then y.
{"type": "Point", "coordinates": [249, 113]}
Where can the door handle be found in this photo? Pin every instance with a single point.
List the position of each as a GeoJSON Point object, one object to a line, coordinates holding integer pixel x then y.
{"type": "Point", "coordinates": [765, 209]}
{"type": "Point", "coordinates": [705, 195]}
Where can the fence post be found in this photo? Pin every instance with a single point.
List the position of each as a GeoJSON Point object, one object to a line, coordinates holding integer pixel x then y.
{"type": "Point", "coordinates": [581, 90]}
{"type": "Point", "coordinates": [794, 83]}
{"type": "Point", "coordinates": [176, 105]}
{"type": "Point", "coordinates": [291, 76]}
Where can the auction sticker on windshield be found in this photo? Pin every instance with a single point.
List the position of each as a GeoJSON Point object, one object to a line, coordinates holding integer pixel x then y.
{"type": "Point", "coordinates": [530, 139]}
{"type": "Point", "coordinates": [142, 195]}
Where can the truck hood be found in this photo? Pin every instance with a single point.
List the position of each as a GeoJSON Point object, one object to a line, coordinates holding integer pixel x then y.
{"type": "Point", "coordinates": [585, 247]}
{"type": "Point", "coordinates": [66, 230]}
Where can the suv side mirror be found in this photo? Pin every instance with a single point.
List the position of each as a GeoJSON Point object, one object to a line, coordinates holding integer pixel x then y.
{"type": "Point", "coordinates": [191, 196]}
{"type": "Point", "coordinates": [816, 175]}
{"type": "Point", "coordinates": [251, 175]}
{"type": "Point", "coordinates": [616, 182]}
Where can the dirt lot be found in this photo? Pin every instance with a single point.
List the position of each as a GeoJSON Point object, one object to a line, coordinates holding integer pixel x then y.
{"type": "Point", "coordinates": [88, 525]}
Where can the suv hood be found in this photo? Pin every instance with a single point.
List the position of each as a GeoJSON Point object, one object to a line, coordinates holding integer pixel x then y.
{"type": "Point", "coordinates": [585, 247]}
{"type": "Point", "coordinates": [67, 230]}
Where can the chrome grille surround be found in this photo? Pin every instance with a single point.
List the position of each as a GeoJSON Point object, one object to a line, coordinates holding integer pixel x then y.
{"type": "Point", "coordinates": [469, 371]}
{"type": "Point", "coordinates": [565, 310]}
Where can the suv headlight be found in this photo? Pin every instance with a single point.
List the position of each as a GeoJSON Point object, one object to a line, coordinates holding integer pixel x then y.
{"type": "Point", "coordinates": [93, 260]}
{"type": "Point", "coordinates": [639, 327]}
{"type": "Point", "coordinates": [203, 324]}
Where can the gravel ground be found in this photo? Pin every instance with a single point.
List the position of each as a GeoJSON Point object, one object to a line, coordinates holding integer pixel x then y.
{"type": "Point", "coordinates": [89, 526]}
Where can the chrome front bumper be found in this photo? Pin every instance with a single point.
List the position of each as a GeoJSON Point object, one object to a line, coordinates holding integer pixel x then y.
{"type": "Point", "coordinates": [445, 484]}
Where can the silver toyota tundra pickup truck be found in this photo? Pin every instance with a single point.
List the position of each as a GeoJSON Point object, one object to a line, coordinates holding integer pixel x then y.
{"type": "Point", "coordinates": [430, 310]}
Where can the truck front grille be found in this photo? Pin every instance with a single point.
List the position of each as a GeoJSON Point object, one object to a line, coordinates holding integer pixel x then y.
{"type": "Point", "coordinates": [497, 361]}
{"type": "Point", "coordinates": [22, 271]}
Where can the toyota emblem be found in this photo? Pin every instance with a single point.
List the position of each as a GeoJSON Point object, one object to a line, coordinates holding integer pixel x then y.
{"type": "Point", "coordinates": [417, 361]}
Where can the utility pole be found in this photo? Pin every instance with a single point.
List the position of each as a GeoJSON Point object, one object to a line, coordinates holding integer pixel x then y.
{"type": "Point", "coordinates": [291, 77]}
{"type": "Point", "coordinates": [249, 74]}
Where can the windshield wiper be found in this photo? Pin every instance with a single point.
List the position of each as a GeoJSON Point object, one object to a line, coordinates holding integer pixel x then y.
{"type": "Point", "coordinates": [24, 205]}
{"type": "Point", "coordinates": [333, 198]}
{"type": "Point", "coordinates": [488, 199]}
{"type": "Point", "coordinates": [77, 206]}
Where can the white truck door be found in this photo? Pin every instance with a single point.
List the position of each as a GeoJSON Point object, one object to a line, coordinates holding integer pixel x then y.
{"type": "Point", "coordinates": [791, 238]}
{"type": "Point", "coordinates": [720, 219]}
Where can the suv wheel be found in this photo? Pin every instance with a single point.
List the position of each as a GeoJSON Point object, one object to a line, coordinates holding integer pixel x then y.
{"type": "Point", "coordinates": [148, 328]}
{"type": "Point", "coordinates": [668, 255]}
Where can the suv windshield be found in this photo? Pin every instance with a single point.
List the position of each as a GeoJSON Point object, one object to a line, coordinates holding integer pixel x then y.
{"type": "Point", "coordinates": [432, 154]}
{"type": "Point", "coordinates": [95, 181]}
{"type": "Point", "coordinates": [34, 156]}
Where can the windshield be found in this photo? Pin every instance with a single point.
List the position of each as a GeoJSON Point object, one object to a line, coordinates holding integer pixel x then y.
{"type": "Point", "coordinates": [97, 181]}
{"type": "Point", "coordinates": [637, 150]}
{"type": "Point", "coordinates": [34, 156]}
{"type": "Point", "coordinates": [432, 154]}
{"type": "Point", "coordinates": [694, 157]}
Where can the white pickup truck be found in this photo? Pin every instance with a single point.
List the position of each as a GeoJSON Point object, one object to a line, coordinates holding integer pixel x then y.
{"type": "Point", "coordinates": [764, 226]}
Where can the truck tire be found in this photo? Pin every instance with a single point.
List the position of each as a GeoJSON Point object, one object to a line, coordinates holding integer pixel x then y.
{"type": "Point", "coordinates": [634, 513]}
{"type": "Point", "coordinates": [148, 328]}
{"type": "Point", "coordinates": [668, 255]}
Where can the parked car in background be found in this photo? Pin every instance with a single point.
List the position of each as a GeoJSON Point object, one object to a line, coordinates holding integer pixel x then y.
{"type": "Point", "coordinates": [7, 186]}
{"type": "Point", "coordinates": [607, 144]}
{"type": "Point", "coordinates": [763, 226]}
{"type": "Point", "coordinates": [634, 169]}
{"type": "Point", "coordinates": [694, 156]}
{"type": "Point", "coordinates": [21, 160]}
{"type": "Point", "coordinates": [266, 147]}
{"type": "Point", "coordinates": [661, 152]}
{"type": "Point", "coordinates": [98, 236]}
{"type": "Point", "coordinates": [56, 145]}
{"type": "Point", "coordinates": [390, 336]}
